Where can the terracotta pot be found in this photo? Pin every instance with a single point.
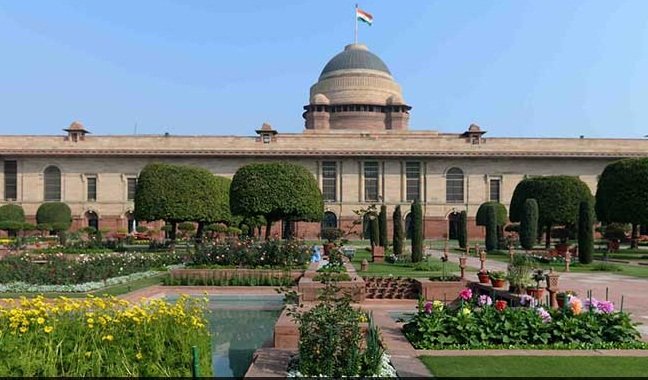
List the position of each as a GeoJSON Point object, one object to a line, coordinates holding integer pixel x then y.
{"type": "Point", "coordinates": [498, 283]}
{"type": "Point", "coordinates": [561, 300]}
{"type": "Point", "coordinates": [536, 293]}
{"type": "Point", "coordinates": [483, 278]}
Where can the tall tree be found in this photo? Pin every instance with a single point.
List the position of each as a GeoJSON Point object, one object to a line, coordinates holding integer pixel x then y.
{"type": "Point", "coordinates": [417, 232]}
{"type": "Point", "coordinates": [558, 200]}
{"type": "Point", "coordinates": [463, 229]}
{"type": "Point", "coordinates": [622, 194]}
{"type": "Point", "coordinates": [374, 225]}
{"type": "Point", "coordinates": [586, 233]}
{"type": "Point", "coordinates": [382, 225]}
{"type": "Point", "coordinates": [398, 233]}
{"type": "Point", "coordinates": [491, 229]}
{"type": "Point", "coordinates": [276, 191]}
{"type": "Point", "coordinates": [529, 224]}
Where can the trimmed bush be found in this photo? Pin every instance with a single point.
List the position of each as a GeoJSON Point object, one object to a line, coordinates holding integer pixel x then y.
{"type": "Point", "coordinates": [417, 232]}
{"type": "Point", "coordinates": [585, 233]}
{"type": "Point", "coordinates": [463, 229]}
{"type": "Point", "coordinates": [622, 194]}
{"type": "Point", "coordinates": [56, 215]}
{"type": "Point", "coordinates": [382, 225]}
{"type": "Point", "coordinates": [491, 229]}
{"type": "Point", "coordinates": [529, 224]}
{"type": "Point", "coordinates": [374, 231]}
{"type": "Point", "coordinates": [11, 212]}
{"type": "Point", "coordinates": [481, 218]}
{"type": "Point", "coordinates": [399, 233]}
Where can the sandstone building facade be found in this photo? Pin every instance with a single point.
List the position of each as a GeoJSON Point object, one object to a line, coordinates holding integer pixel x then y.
{"type": "Point", "coordinates": [356, 142]}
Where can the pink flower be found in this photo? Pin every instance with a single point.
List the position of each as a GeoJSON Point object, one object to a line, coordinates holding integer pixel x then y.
{"type": "Point", "coordinates": [428, 308]}
{"type": "Point", "coordinates": [605, 307]}
{"type": "Point", "coordinates": [544, 314]}
{"type": "Point", "coordinates": [484, 300]}
{"type": "Point", "coordinates": [465, 294]}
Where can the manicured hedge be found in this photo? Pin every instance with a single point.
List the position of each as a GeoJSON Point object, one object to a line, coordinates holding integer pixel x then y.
{"type": "Point", "coordinates": [57, 215]}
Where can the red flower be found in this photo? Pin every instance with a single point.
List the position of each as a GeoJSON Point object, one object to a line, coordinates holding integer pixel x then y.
{"type": "Point", "coordinates": [500, 305]}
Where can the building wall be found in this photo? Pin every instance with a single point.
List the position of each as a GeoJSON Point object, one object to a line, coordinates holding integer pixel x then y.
{"type": "Point", "coordinates": [112, 174]}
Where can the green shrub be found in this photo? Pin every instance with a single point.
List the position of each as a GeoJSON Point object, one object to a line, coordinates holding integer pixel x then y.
{"type": "Point", "coordinates": [249, 253]}
{"type": "Point", "coordinates": [331, 234]}
{"type": "Point", "coordinates": [382, 226]}
{"type": "Point", "coordinates": [491, 229]}
{"type": "Point", "coordinates": [463, 229]}
{"type": "Point", "coordinates": [55, 214]}
{"type": "Point", "coordinates": [417, 232]}
{"type": "Point", "coordinates": [529, 224]}
{"type": "Point", "coordinates": [481, 218]}
{"type": "Point", "coordinates": [11, 212]}
{"type": "Point", "coordinates": [374, 231]}
{"type": "Point", "coordinates": [585, 233]}
{"type": "Point", "coordinates": [398, 231]}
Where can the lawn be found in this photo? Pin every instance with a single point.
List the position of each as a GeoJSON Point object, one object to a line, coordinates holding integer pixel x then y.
{"type": "Point", "coordinates": [536, 366]}
{"type": "Point", "coordinates": [115, 290]}
{"type": "Point", "coordinates": [431, 267]}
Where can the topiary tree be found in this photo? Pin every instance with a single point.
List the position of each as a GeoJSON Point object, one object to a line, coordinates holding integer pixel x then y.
{"type": "Point", "coordinates": [622, 194]}
{"type": "Point", "coordinates": [277, 191]}
{"type": "Point", "coordinates": [481, 219]}
{"type": "Point", "coordinates": [491, 229]}
{"type": "Point", "coordinates": [55, 215]}
{"type": "Point", "coordinates": [417, 232]}
{"type": "Point", "coordinates": [12, 218]}
{"type": "Point", "coordinates": [529, 224]}
{"type": "Point", "coordinates": [374, 230]}
{"type": "Point", "coordinates": [558, 200]}
{"type": "Point", "coordinates": [398, 233]}
{"type": "Point", "coordinates": [382, 225]}
{"type": "Point", "coordinates": [585, 233]}
{"type": "Point", "coordinates": [463, 229]}
{"type": "Point", "coordinates": [178, 193]}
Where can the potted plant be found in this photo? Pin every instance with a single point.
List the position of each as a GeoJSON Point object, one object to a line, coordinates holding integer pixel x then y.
{"type": "Point", "coordinates": [537, 292]}
{"type": "Point", "coordinates": [483, 277]}
{"type": "Point", "coordinates": [498, 279]}
{"type": "Point", "coordinates": [519, 273]}
{"type": "Point", "coordinates": [563, 297]}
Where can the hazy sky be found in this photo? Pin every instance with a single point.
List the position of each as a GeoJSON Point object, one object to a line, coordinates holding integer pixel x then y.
{"type": "Point", "coordinates": [516, 67]}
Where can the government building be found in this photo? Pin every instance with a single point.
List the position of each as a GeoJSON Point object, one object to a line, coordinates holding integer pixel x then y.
{"type": "Point", "coordinates": [356, 142]}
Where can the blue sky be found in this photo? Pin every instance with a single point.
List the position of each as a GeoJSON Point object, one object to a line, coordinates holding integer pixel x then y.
{"type": "Point", "coordinates": [516, 67]}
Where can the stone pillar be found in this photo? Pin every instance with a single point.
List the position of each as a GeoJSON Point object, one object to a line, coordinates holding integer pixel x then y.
{"type": "Point", "coordinates": [378, 254]}
{"type": "Point", "coordinates": [482, 259]}
{"type": "Point", "coordinates": [552, 287]}
{"type": "Point", "coordinates": [364, 265]}
{"type": "Point", "coordinates": [462, 266]}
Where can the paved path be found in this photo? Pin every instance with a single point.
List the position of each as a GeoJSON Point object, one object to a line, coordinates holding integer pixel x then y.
{"type": "Point", "coordinates": [634, 290]}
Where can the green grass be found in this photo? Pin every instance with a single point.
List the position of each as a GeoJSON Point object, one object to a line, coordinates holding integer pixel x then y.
{"type": "Point", "coordinates": [402, 269]}
{"type": "Point", "coordinates": [536, 366]}
{"type": "Point", "coordinates": [115, 290]}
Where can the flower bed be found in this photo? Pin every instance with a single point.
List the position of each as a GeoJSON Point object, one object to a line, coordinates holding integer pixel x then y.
{"type": "Point", "coordinates": [58, 269]}
{"type": "Point", "coordinates": [102, 337]}
{"type": "Point", "coordinates": [251, 254]}
{"type": "Point", "coordinates": [480, 322]}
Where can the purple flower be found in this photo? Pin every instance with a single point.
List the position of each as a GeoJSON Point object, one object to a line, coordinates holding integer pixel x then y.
{"type": "Point", "coordinates": [465, 294]}
{"type": "Point", "coordinates": [428, 308]}
{"type": "Point", "coordinates": [544, 314]}
{"type": "Point", "coordinates": [591, 304]}
{"type": "Point", "coordinates": [484, 300]}
{"type": "Point", "coordinates": [605, 307]}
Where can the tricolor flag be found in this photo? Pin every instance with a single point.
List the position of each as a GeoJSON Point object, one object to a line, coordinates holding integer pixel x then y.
{"type": "Point", "coordinates": [364, 16]}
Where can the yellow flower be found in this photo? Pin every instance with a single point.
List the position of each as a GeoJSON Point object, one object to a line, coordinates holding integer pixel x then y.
{"type": "Point", "coordinates": [108, 338]}
{"type": "Point", "coordinates": [90, 321]}
{"type": "Point", "coordinates": [88, 353]}
{"type": "Point", "coordinates": [48, 329]}
{"type": "Point", "coordinates": [23, 329]}
{"type": "Point", "coordinates": [465, 311]}
{"type": "Point", "coordinates": [139, 356]}
{"type": "Point", "coordinates": [437, 305]}
{"type": "Point", "coordinates": [40, 320]}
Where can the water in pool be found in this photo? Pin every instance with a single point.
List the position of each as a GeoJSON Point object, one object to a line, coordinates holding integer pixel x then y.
{"type": "Point", "coordinates": [240, 325]}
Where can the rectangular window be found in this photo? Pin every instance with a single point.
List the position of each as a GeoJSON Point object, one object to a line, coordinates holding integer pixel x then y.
{"type": "Point", "coordinates": [495, 189]}
{"type": "Point", "coordinates": [132, 185]}
{"type": "Point", "coordinates": [10, 180]}
{"type": "Point", "coordinates": [413, 180]}
{"type": "Point", "coordinates": [92, 188]}
{"type": "Point", "coordinates": [371, 181]}
{"type": "Point", "coordinates": [329, 181]}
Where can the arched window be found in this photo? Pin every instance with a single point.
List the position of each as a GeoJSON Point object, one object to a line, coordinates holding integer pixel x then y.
{"type": "Point", "coordinates": [52, 184]}
{"type": "Point", "coordinates": [93, 219]}
{"type": "Point", "coordinates": [454, 186]}
{"type": "Point", "coordinates": [329, 220]}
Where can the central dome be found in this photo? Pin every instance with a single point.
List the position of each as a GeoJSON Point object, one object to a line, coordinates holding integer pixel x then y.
{"type": "Point", "coordinates": [355, 56]}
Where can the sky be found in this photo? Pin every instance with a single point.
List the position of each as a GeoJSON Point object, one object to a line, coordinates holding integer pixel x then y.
{"type": "Point", "coordinates": [518, 68]}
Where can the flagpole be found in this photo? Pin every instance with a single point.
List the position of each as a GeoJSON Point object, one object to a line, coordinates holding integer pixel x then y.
{"type": "Point", "coordinates": [355, 17]}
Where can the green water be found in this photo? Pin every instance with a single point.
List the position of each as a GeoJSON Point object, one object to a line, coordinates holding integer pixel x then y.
{"type": "Point", "coordinates": [240, 325]}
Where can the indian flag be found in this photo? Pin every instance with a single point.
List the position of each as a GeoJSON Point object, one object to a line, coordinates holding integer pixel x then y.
{"type": "Point", "coordinates": [364, 16]}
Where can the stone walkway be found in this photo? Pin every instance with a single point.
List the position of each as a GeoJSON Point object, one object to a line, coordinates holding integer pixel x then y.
{"type": "Point", "coordinates": [634, 290]}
